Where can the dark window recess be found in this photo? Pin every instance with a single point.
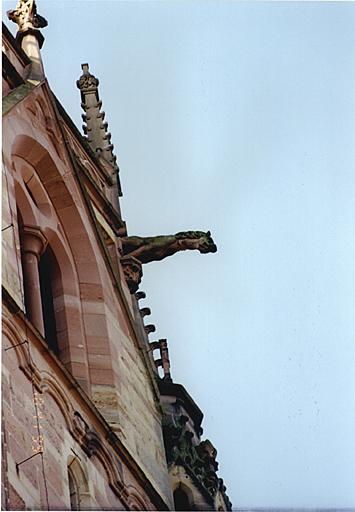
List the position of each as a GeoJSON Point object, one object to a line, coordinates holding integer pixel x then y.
{"type": "Point", "coordinates": [181, 500]}
{"type": "Point", "coordinates": [46, 271]}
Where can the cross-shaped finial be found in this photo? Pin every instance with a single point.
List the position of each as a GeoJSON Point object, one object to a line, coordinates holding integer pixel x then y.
{"type": "Point", "coordinates": [26, 17]}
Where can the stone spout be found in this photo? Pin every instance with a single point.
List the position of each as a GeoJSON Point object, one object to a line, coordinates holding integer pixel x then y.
{"type": "Point", "coordinates": [157, 248]}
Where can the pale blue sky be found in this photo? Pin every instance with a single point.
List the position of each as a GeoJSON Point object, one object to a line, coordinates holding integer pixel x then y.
{"type": "Point", "coordinates": [239, 117]}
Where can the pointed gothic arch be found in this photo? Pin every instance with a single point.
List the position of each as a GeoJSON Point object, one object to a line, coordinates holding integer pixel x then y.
{"type": "Point", "coordinates": [78, 485]}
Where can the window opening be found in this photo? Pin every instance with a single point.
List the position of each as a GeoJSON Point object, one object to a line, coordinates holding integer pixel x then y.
{"type": "Point", "coordinates": [48, 271]}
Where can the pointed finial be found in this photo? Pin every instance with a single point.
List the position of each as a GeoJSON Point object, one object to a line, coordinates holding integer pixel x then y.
{"type": "Point", "coordinates": [95, 128]}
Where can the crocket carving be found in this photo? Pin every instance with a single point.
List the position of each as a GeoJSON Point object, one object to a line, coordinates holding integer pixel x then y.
{"type": "Point", "coordinates": [157, 248]}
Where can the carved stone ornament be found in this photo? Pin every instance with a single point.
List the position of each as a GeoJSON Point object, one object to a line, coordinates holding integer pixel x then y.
{"type": "Point", "coordinates": [132, 270]}
{"type": "Point", "coordinates": [199, 460]}
{"type": "Point", "coordinates": [26, 17]}
{"type": "Point", "coordinates": [149, 328]}
{"type": "Point", "coordinates": [157, 248]}
{"type": "Point", "coordinates": [87, 81]}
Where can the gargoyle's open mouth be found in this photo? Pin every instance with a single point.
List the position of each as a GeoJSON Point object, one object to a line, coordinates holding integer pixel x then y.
{"type": "Point", "coordinates": [208, 248]}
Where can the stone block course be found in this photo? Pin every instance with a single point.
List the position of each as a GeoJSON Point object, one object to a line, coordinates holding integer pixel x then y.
{"type": "Point", "coordinates": [90, 292]}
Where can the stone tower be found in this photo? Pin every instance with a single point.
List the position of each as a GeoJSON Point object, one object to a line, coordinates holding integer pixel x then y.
{"type": "Point", "coordinates": [91, 416]}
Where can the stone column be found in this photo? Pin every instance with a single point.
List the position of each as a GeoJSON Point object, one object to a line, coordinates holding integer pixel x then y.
{"type": "Point", "coordinates": [33, 246]}
{"type": "Point", "coordinates": [31, 43]}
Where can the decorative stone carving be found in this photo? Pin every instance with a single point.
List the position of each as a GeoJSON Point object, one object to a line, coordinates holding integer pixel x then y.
{"type": "Point", "coordinates": [91, 442]}
{"type": "Point", "coordinates": [79, 425]}
{"type": "Point", "coordinates": [26, 17]}
{"type": "Point", "coordinates": [199, 461]}
{"type": "Point", "coordinates": [29, 36]}
{"type": "Point", "coordinates": [88, 83]}
{"type": "Point", "coordinates": [222, 489]}
{"type": "Point", "coordinates": [177, 439]}
{"type": "Point", "coordinates": [132, 270]}
{"type": "Point", "coordinates": [157, 248]}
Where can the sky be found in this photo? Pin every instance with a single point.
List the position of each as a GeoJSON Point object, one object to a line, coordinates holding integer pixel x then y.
{"type": "Point", "coordinates": [239, 118]}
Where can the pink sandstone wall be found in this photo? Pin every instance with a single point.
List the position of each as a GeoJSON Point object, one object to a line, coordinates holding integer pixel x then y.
{"type": "Point", "coordinates": [97, 339]}
{"type": "Point", "coordinates": [63, 433]}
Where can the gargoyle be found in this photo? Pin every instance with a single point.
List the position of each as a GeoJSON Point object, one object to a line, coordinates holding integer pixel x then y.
{"type": "Point", "coordinates": [157, 248]}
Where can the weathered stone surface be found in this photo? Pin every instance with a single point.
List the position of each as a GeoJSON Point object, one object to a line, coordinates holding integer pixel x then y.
{"type": "Point", "coordinates": [157, 248]}
{"type": "Point", "coordinates": [184, 449]}
{"type": "Point", "coordinates": [26, 16]}
{"type": "Point", "coordinates": [15, 501]}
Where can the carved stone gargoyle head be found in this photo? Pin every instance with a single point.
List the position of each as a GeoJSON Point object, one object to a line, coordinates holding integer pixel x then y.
{"type": "Point", "coordinates": [199, 240]}
{"type": "Point", "coordinates": [140, 250]}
